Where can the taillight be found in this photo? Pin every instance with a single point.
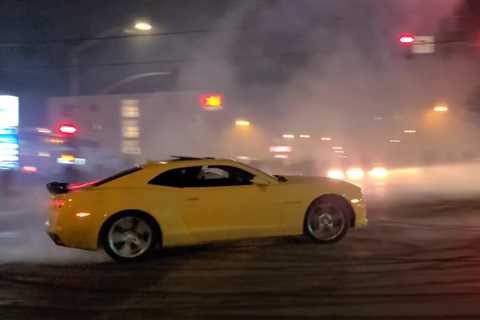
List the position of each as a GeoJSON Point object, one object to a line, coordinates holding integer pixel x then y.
{"type": "Point", "coordinates": [58, 203]}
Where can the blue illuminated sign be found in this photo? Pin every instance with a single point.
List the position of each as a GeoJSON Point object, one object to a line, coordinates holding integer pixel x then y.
{"type": "Point", "coordinates": [9, 121]}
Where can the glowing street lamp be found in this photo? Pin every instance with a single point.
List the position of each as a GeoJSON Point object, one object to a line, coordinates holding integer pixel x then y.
{"type": "Point", "coordinates": [410, 131]}
{"type": "Point", "coordinates": [242, 123]}
{"type": "Point", "coordinates": [143, 26]}
{"type": "Point", "coordinates": [288, 136]}
{"type": "Point", "coordinates": [440, 108]}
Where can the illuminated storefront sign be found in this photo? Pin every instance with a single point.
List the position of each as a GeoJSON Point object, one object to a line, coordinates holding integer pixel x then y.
{"type": "Point", "coordinates": [9, 120]}
{"type": "Point", "coordinates": [211, 101]}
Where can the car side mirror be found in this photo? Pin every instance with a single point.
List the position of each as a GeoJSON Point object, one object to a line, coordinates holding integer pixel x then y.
{"type": "Point", "coordinates": [259, 181]}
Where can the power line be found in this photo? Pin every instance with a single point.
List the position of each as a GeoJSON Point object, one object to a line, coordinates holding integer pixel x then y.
{"type": "Point", "coordinates": [160, 61]}
{"type": "Point", "coordinates": [10, 44]}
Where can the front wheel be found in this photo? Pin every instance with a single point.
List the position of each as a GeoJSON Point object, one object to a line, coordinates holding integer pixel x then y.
{"type": "Point", "coordinates": [129, 237]}
{"type": "Point", "coordinates": [327, 220]}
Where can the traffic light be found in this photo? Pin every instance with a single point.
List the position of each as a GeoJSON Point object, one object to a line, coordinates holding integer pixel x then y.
{"type": "Point", "coordinates": [406, 39]}
{"type": "Point", "coordinates": [67, 129]}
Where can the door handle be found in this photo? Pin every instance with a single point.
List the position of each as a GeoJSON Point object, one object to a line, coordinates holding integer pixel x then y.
{"type": "Point", "coordinates": [193, 199]}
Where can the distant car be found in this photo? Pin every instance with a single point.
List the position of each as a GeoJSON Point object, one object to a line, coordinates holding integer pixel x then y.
{"type": "Point", "coordinates": [191, 201]}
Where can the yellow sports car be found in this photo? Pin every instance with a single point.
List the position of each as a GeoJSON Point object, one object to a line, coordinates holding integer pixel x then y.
{"type": "Point", "coordinates": [189, 201]}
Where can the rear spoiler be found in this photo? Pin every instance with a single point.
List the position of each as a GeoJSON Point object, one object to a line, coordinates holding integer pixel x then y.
{"type": "Point", "coordinates": [57, 187]}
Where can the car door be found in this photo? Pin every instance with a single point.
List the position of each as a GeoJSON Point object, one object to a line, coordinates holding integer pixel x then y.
{"type": "Point", "coordinates": [223, 203]}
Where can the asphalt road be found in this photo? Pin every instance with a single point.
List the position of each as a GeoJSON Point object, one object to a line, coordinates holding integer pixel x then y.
{"type": "Point", "coordinates": [416, 260]}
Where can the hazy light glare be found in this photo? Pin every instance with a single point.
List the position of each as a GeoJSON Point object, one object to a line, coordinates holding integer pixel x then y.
{"type": "Point", "coordinates": [326, 139]}
{"type": "Point", "coordinates": [409, 131]}
{"type": "Point", "coordinates": [44, 154]}
{"type": "Point", "coordinates": [282, 149]}
{"type": "Point", "coordinates": [335, 174]}
{"type": "Point", "coordinates": [281, 156]}
{"type": "Point", "coordinates": [378, 173]}
{"type": "Point", "coordinates": [305, 136]}
{"type": "Point", "coordinates": [337, 148]}
{"type": "Point", "coordinates": [44, 130]}
{"type": "Point", "coordinates": [29, 169]}
{"type": "Point", "coordinates": [394, 141]}
{"type": "Point", "coordinates": [288, 136]}
{"type": "Point", "coordinates": [355, 173]}
{"type": "Point", "coordinates": [339, 151]}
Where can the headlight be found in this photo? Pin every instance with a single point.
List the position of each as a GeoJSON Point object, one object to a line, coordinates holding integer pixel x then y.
{"type": "Point", "coordinates": [355, 173]}
{"type": "Point", "coordinates": [378, 173]}
{"type": "Point", "coordinates": [335, 174]}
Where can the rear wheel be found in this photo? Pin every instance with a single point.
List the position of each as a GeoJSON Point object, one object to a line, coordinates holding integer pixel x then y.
{"type": "Point", "coordinates": [129, 237]}
{"type": "Point", "coordinates": [327, 220]}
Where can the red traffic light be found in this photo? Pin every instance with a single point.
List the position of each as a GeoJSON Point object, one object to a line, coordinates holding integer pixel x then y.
{"type": "Point", "coordinates": [407, 39]}
{"type": "Point", "coordinates": [67, 129]}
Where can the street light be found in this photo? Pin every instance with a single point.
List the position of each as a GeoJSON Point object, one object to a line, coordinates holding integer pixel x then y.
{"type": "Point", "coordinates": [409, 131]}
{"type": "Point", "coordinates": [143, 26]}
{"type": "Point", "coordinates": [74, 54]}
{"type": "Point", "coordinates": [326, 139]}
{"type": "Point", "coordinates": [440, 108]}
{"type": "Point", "coordinates": [242, 123]}
{"type": "Point", "coordinates": [288, 136]}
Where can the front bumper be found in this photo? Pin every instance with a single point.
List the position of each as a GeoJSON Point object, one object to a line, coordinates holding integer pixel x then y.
{"type": "Point", "coordinates": [360, 210]}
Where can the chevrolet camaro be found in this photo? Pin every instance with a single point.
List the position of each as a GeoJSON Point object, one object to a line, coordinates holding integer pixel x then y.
{"type": "Point", "coordinates": [188, 201]}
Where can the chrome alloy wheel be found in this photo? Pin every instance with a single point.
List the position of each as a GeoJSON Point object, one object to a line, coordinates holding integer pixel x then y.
{"type": "Point", "coordinates": [130, 236]}
{"type": "Point", "coordinates": [326, 222]}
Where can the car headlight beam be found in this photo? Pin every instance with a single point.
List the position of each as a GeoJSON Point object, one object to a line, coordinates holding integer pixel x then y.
{"type": "Point", "coordinates": [355, 173]}
{"type": "Point", "coordinates": [336, 174]}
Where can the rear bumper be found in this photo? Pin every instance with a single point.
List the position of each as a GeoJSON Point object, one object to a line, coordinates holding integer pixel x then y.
{"type": "Point", "coordinates": [55, 238]}
{"type": "Point", "coordinates": [67, 231]}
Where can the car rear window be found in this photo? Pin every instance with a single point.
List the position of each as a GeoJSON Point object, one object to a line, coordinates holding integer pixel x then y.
{"type": "Point", "coordinates": [117, 176]}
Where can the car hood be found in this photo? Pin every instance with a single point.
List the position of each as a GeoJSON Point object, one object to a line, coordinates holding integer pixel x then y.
{"type": "Point", "coordinates": [324, 181]}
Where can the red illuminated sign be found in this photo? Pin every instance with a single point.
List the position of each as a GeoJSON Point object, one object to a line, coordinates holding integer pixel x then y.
{"type": "Point", "coordinates": [211, 101]}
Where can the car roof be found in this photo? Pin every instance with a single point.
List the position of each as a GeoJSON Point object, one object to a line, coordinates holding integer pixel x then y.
{"type": "Point", "coordinates": [187, 161]}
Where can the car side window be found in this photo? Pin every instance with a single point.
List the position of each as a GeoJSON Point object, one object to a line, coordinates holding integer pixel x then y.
{"type": "Point", "coordinates": [178, 178]}
{"type": "Point", "coordinates": [221, 176]}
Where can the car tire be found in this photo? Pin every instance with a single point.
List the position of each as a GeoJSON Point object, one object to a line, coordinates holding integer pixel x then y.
{"type": "Point", "coordinates": [327, 219]}
{"type": "Point", "coordinates": [130, 236]}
